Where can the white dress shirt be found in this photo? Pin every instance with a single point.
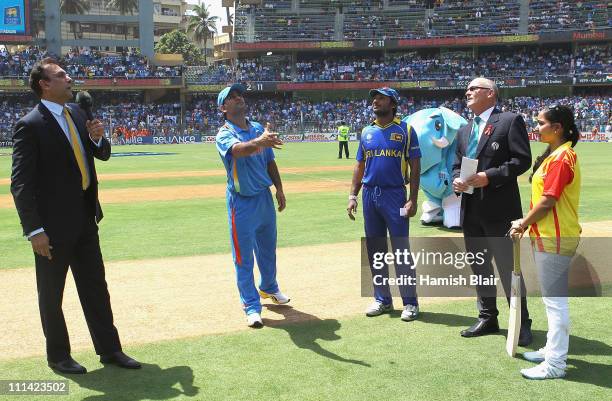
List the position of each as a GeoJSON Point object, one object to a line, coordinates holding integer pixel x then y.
{"type": "Point", "coordinates": [484, 117]}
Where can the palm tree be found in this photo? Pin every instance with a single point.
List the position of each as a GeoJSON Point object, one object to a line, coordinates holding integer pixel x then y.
{"type": "Point", "coordinates": [74, 7]}
{"type": "Point", "coordinates": [202, 25]}
{"type": "Point", "coordinates": [230, 22]}
{"type": "Point", "coordinates": [124, 7]}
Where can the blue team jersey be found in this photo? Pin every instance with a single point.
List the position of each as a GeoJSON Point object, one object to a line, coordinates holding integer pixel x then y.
{"type": "Point", "coordinates": [386, 151]}
{"type": "Point", "coordinates": [248, 175]}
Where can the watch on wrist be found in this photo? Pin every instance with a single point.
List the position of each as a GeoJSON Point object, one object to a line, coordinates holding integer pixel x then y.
{"type": "Point", "coordinates": [353, 197]}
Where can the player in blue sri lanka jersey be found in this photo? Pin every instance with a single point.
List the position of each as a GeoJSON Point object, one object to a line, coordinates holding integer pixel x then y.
{"type": "Point", "coordinates": [387, 148]}
{"type": "Point", "coordinates": [246, 151]}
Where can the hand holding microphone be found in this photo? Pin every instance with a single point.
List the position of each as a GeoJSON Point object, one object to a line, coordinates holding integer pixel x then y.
{"type": "Point", "coordinates": [94, 126]}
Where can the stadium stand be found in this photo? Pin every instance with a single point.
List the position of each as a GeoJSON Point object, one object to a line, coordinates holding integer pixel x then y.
{"type": "Point", "coordinates": [297, 86]}
{"type": "Point", "coordinates": [132, 116]}
{"type": "Point", "coordinates": [383, 24]}
{"type": "Point", "coordinates": [551, 15]}
{"type": "Point", "coordinates": [19, 64]}
{"type": "Point", "coordinates": [475, 18]}
{"type": "Point", "coordinates": [517, 62]}
{"type": "Point", "coordinates": [85, 63]}
{"type": "Point", "coordinates": [301, 115]}
{"type": "Point", "coordinates": [406, 19]}
{"type": "Point", "coordinates": [593, 60]}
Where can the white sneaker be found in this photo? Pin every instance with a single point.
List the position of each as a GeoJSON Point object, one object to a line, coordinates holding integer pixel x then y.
{"type": "Point", "coordinates": [410, 313]}
{"type": "Point", "coordinates": [378, 308]}
{"type": "Point", "coordinates": [278, 297]}
{"type": "Point", "coordinates": [543, 371]}
{"type": "Point", "coordinates": [254, 320]}
{"type": "Point", "coordinates": [535, 356]}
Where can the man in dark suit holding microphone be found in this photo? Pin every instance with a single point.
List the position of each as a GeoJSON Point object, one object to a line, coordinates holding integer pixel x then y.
{"type": "Point", "coordinates": [499, 141]}
{"type": "Point", "coordinates": [55, 188]}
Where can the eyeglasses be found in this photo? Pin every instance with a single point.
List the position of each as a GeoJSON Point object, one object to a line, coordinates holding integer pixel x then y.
{"type": "Point", "coordinates": [473, 88]}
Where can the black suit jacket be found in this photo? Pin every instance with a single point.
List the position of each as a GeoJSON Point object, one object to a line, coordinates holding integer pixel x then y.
{"type": "Point", "coordinates": [46, 180]}
{"type": "Point", "coordinates": [503, 154]}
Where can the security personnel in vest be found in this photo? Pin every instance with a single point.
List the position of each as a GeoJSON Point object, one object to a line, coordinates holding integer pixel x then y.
{"type": "Point", "coordinates": [343, 137]}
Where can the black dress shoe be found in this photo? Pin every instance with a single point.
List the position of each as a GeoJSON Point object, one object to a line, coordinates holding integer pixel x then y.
{"type": "Point", "coordinates": [69, 366]}
{"type": "Point", "coordinates": [481, 328]}
{"type": "Point", "coordinates": [120, 359]}
{"type": "Point", "coordinates": [525, 336]}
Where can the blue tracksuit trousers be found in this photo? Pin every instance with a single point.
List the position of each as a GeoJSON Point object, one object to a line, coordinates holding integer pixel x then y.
{"type": "Point", "coordinates": [252, 221]}
{"type": "Point", "coordinates": [381, 213]}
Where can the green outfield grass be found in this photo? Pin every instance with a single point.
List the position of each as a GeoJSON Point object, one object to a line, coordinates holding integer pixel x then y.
{"type": "Point", "coordinates": [355, 358]}
{"type": "Point", "coordinates": [176, 228]}
{"type": "Point", "coordinates": [352, 358]}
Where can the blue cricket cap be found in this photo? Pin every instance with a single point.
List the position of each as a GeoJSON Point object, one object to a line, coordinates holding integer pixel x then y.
{"type": "Point", "coordinates": [386, 91]}
{"type": "Point", "coordinates": [225, 92]}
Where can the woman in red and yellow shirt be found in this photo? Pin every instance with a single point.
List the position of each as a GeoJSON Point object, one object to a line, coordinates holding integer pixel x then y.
{"type": "Point", "coordinates": [554, 230]}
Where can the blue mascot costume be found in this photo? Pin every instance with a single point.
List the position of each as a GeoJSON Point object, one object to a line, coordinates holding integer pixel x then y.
{"type": "Point", "coordinates": [437, 129]}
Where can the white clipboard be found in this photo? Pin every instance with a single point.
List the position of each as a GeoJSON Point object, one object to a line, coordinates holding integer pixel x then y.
{"type": "Point", "coordinates": [468, 169]}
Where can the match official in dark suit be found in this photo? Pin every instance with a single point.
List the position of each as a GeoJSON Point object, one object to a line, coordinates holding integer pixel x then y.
{"type": "Point", "coordinates": [55, 189]}
{"type": "Point", "coordinates": [500, 143]}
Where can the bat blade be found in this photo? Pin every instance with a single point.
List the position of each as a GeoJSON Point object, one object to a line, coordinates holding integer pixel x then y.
{"type": "Point", "coordinates": [514, 324]}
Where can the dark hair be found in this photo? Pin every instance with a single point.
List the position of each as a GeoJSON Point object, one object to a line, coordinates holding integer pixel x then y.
{"type": "Point", "coordinates": [38, 73]}
{"type": "Point", "coordinates": [564, 116]}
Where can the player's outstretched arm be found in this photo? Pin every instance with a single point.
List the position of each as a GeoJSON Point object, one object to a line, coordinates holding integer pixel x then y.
{"type": "Point", "coordinates": [265, 140]}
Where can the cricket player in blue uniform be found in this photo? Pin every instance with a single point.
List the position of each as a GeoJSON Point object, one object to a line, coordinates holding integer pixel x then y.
{"type": "Point", "coordinates": [386, 149]}
{"type": "Point", "coordinates": [246, 151]}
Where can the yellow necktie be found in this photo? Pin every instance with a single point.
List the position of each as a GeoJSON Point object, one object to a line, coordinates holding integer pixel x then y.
{"type": "Point", "coordinates": [78, 154]}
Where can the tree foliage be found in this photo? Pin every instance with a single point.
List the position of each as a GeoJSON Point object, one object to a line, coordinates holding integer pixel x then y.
{"type": "Point", "coordinates": [176, 42]}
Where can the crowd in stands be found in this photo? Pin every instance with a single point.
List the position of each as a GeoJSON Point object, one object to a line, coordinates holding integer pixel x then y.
{"type": "Point", "coordinates": [86, 63]}
{"type": "Point", "coordinates": [479, 17]}
{"type": "Point", "coordinates": [518, 62]}
{"type": "Point", "coordinates": [590, 111]}
{"type": "Point", "coordinates": [138, 119]}
{"type": "Point", "coordinates": [295, 115]}
{"type": "Point", "coordinates": [412, 19]}
{"type": "Point", "coordinates": [548, 15]}
{"type": "Point", "coordinates": [132, 117]}
{"type": "Point", "coordinates": [383, 25]}
{"type": "Point", "coordinates": [10, 112]}
{"type": "Point", "coordinates": [127, 116]}
{"type": "Point", "coordinates": [243, 70]}
{"type": "Point", "coordinates": [19, 63]}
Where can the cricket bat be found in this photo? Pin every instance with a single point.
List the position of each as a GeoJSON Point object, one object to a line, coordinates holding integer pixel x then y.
{"type": "Point", "coordinates": [514, 324]}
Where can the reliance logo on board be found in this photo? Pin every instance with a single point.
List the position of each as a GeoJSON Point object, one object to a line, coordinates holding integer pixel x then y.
{"type": "Point", "coordinates": [173, 139]}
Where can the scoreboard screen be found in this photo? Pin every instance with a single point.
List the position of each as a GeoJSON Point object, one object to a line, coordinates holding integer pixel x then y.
{"type": "Point", "coordinates": [14, 18]}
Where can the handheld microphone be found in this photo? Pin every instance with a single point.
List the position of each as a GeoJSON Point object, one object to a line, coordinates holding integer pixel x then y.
{"type": "Point", "coordinates": [84, 100]}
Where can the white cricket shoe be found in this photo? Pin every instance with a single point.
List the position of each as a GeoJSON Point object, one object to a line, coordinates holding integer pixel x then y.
{"type": "Point", "coordinates": [543, 371]}
{"type": "Point", "coordinates": [377, 308]}
{"type": "Point", "coordinates": [278, 297]}
{"type": "Point", "coordinates": [410, 313]}
{"type": "Point", "coordinates": [534, 356]}
{"type": "Point", "coordinates": [254, 320]}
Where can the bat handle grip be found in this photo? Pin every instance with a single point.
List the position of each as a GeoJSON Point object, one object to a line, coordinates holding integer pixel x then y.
{"type": "Point", "coordinates": [516, 251]}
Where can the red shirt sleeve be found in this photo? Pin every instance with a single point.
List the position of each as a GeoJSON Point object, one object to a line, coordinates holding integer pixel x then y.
{"type": "Point", "coordinates": [560, 173]}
